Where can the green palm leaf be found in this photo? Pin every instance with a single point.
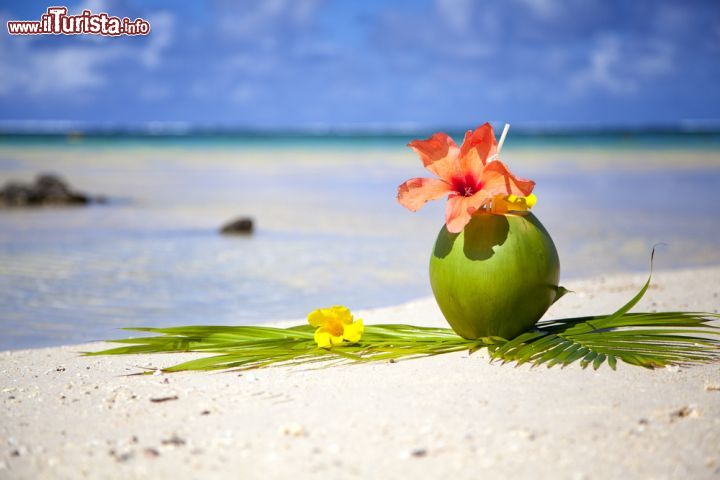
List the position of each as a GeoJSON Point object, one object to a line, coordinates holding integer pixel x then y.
{"type": "Point", "coordinates": [644, 339]}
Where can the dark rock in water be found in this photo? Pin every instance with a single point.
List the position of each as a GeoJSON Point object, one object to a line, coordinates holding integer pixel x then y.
{"type": "Point", "coordinates": [16, 194]}
{"type": "Point", "coordinates": [239, 226]}
{"type": "Point", "coordinates": [48, 189]}
{"type": "Point", "coordinates": [52, 189]}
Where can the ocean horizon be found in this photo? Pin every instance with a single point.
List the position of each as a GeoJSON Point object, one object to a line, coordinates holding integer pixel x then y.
{"type": "Point", "coordinates": [692, 134]}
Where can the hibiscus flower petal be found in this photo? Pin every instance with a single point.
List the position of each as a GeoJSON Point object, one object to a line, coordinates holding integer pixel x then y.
{"type": "Point", "coordinates": [414, 193]}
{"type": "Point", "coordinates": [498, 180]}
{"type": "Point", "coordinates": [459, 210]}
{"type": "Point", "coordinates": [476, 148]}
{"type": "Point", "coordinates": [438, 153]}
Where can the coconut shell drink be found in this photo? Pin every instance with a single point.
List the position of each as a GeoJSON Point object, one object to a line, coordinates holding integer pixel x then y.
{"type": "Point", "coordinates": [495, 278]}
{"type": "Point", "coordinates": [494, 269]}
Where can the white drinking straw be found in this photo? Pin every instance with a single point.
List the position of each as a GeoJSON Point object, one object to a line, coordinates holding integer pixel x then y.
{"type": "Point", "coordinates": [502, 137]}
{"type": "Point", "coordinates": [500, 143]}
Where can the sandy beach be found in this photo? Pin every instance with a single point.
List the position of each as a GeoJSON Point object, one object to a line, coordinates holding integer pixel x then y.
{"type": "Point", "coordinates": [238, 165]}
{"type": "Point", "coordinates": [453, 416]}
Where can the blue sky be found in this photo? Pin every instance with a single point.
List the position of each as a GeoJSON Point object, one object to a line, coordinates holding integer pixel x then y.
{"type": "Point", "coordinates": [309, 63]}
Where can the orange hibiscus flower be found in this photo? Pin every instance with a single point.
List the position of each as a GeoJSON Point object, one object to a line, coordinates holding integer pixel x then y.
{"type": "Point", "coordinates": [471, 175]}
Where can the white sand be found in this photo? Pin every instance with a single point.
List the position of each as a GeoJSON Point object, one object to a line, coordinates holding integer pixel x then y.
{"type": "Point", "coordinates": [455, 416]}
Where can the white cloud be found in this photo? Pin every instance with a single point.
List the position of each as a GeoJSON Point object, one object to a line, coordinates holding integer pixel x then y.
{"type": "Point", "coordinates": [95, 6]}
{"type": "Point", "coordinates": [262, 22]}
{"type": "Point", "coordinates": [51, 71]}
{"type": "Point", "coordinates": [70, 68]}
{"type": "Point", "coordinates": [78, 68]}
{"type": "Point", "coordinates": [545, 9]}
{"type": "Point", "coordinates": [250, 64]}
{"type": "Point", "coordinates": [658, 61]}
{"type": "Point", "coordinates": [317, 50]}
{"type": "Point", "coordinates": [621, 67]}
{"type": "Point", "coordinates": [672, 18]}
{"type": "Point", "coordinates": [457, 13]}
{"type": "Point", "coordinates": [243, 93]}
{"type": "Point", "coordinates": [162, 26]}
{"type": "Point", "coordinates": [602, 71]}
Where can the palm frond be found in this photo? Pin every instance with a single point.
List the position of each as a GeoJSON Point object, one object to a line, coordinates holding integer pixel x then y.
{"type": "Point", "coordinates": [247, 347]}
{"type": "Point", "coordinates": [644, 339]}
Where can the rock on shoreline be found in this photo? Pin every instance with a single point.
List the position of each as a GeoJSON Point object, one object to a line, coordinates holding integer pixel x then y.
{"type": "Point", "coordinates": [239, 226]}
{"type": "Point", "coordinates": [48, 189]}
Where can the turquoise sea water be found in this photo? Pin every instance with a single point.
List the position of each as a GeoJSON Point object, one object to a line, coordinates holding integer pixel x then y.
{"type": "Point", "coordinates": [621, 139]}
{"type": "Point", "coordinates": [329, 230]}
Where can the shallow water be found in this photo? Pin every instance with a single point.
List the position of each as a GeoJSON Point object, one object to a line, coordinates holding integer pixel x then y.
{"type": "Point", "coordinates": [329, 230]}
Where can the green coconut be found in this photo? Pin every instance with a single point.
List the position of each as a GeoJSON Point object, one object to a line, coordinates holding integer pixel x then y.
{"type": "Point", "coordinates": [497, 277]}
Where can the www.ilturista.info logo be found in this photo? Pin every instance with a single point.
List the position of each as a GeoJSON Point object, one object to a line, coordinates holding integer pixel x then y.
{"type": "Point", "coordinates": [57, 22]}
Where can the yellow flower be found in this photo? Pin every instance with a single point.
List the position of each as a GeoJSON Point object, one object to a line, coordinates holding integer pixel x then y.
{"type": "Point", "coordinates": [513, 203]}
{"type": "Point", "coordinates": [335, 326]}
